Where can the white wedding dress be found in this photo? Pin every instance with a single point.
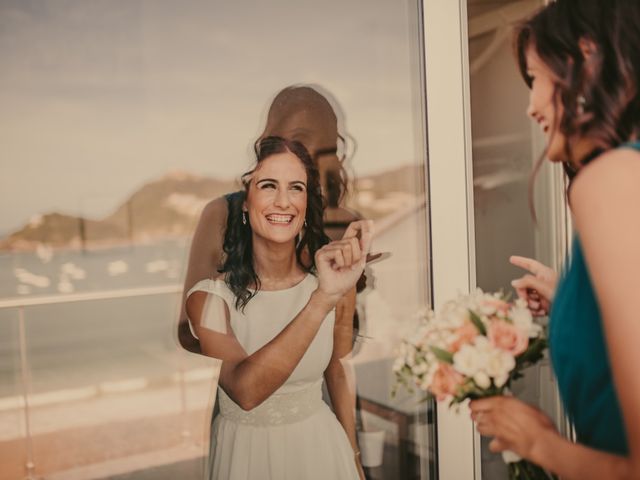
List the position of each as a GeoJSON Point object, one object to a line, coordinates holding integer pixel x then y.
{"type": "Point", "coordinates": [293, 435]}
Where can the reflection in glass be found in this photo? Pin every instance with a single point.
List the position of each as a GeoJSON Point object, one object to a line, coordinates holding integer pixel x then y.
{"type": "Point", "coordinates": [14, 449]}
{"type": "Point", "coordinates": [374, 401]}
{"type": "Point", "coordinates": [132, 132]}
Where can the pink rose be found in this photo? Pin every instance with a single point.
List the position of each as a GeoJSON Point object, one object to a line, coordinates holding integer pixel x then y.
{"type": "Point", "coordinates": [507, 337]}
{"type": "Point", "coordinates": [445, 381]}
{"type": "Point", "coordinates": [465, 334]}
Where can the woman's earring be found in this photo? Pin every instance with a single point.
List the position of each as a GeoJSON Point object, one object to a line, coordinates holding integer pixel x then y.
{"type": "Point", "coordinates": [582, 102]}
{"type": "Point", "coordinates": [244, 218]}
{"type": "Point", "coordinates": [305, 223]}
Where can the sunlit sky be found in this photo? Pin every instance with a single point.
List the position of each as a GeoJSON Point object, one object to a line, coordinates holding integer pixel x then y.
{"type": "Point", "coordinates": [98, 97]}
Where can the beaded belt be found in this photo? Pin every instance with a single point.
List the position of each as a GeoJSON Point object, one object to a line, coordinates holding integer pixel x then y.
{"type": "Point", "coordinates": [278, 409]}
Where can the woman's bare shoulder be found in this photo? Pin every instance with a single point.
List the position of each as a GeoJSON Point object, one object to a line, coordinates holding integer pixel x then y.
{"type": "Point", "coordinates": [614, 173]}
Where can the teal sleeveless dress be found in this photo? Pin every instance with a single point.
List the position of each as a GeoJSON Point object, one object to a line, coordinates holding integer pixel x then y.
{"type": "Point", "coordinates": [581, 361]}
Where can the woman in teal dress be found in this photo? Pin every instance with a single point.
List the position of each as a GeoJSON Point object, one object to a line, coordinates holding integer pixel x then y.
{"type": "Point", "coordinates": [581, 62]}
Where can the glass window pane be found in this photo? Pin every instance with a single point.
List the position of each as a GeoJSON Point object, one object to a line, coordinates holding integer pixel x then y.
{"type": "Point", "coordinates": [121, 120]}
{"type": "Point", "coordinates": [13, 439]}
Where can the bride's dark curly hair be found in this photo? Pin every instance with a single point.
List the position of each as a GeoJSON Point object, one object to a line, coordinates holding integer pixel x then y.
{"type": "Point", "coordinates": [238, 266]}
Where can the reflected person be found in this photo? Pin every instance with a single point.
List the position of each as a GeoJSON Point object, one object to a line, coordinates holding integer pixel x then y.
{"type": "Point", "coordinates": [275, 316]}
{"type": "Point", "coordinates": [299, 113]}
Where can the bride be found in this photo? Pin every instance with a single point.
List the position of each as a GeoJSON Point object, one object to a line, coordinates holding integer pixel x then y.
{"type": "Point", "coordinates": [274, 316]}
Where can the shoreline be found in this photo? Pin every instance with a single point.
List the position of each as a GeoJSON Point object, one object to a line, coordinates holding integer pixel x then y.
{"type": "Point", "coordinates": [28, 246]}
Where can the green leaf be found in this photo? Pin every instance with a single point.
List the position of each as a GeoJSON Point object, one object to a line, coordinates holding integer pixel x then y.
{"type": "Point", "coordinates": [426, 398]}
{"type": "Point", "coordinates": [533, 353]}
{"type": "Point", "coordinates": [477, 322]}
{"type": "Point", "coordinates": [442, 355]}
{"type": "Point", "coordinates": [402, 381]}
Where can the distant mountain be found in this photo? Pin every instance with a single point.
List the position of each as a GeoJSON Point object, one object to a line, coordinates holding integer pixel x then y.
{"type": "Point", "coordinates": [167, 207]}
{"type": "Point", "coordinates": [378, 195]}
{"type": "Point", "coordinates": [171, 205]}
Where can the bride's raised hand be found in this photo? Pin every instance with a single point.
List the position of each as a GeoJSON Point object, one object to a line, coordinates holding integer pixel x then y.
{"type": "Point", "coordinates": [341, 262]}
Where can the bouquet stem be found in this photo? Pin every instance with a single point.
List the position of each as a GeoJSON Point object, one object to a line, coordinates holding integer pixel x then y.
{"type": "Point", "coordinates": [524, 470]}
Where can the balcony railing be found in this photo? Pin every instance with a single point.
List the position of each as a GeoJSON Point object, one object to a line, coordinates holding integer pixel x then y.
{"type": "Point", "coordinates": [21, 304]}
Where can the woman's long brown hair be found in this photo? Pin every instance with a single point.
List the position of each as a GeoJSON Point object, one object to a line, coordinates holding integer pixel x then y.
{"type": "Point", "coordinates": [598, 94]}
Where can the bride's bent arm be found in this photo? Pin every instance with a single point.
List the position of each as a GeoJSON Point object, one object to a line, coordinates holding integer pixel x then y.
{"type": "Point", "coordinates": [250, 379]}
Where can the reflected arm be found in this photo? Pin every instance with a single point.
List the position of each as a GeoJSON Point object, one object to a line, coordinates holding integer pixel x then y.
{"type": "Point", "coordinates": [204, 258]}
{"type": "Point", "coordinates": [340, 375]}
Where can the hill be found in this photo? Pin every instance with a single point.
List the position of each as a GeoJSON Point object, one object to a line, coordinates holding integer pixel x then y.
{"type": "Point", "coordinates": [169, 207]}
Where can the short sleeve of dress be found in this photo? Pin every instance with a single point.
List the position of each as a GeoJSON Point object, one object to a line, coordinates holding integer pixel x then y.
{"type": "Point", "coordinates": [213, 287]}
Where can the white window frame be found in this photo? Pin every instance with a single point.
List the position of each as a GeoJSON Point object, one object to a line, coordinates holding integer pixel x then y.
{"type": "Point", "coordinates": [451, 212]}
{"type": "Point", "coordinates": [451, 201]}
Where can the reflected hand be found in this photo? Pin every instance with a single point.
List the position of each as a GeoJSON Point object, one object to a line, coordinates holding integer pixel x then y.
{"type": "Point", "coordinates": [513, 424]}
{"type": "Point", "coordinates": [341, 262]}
{"type": "Point", "coordinates": [360, 470]}
{"type": "Point", "coordinates": [538, 287]}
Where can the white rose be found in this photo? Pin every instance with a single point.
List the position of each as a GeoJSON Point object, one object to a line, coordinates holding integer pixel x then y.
{"type": "Point", "coordinates": [420, 368]}
{"type": "Point", "coordinates": [428, 377]}
{"type": "Point", "coordinates": [520, 303]}
{"type": "Point", "coordinates": [448, 338]}
{"type": "Point", "coordinates": [483, 344]}
{"type": "Point", "coordinates": [398, 364]}
{"type": "Point", "coordinates": [487, 309]}
{"type": "Point", "coordinates": [468, 360]}
{"type": "Point", "coordinates": [411, 358]}
{"type": "Point", "coordinates": [499, 365]}
{"type": "Point", "coordinates": [439, 339]}
{"type": "Point", "coordinates": [418, 337]}
{"type": "Point", "coordinates": [522, 319]}
{"type": "Point", "coordinates": [500, 380]}
{"type": "Point", "coordinates": [455, 313]}
{"type": "Point", "coordinates": [482, 380]}
{"type": "Point", "coordinates": [430, 357]}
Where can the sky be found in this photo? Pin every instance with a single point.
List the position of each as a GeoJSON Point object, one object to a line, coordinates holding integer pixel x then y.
{"type": "Point", "coordinates": [98, 97]}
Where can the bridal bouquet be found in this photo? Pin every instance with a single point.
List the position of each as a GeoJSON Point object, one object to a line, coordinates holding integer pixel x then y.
{"type": "Point", "coordinates": [474, 347]}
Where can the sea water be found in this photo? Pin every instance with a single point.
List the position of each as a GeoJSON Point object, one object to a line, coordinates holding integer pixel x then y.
{"type": "Point", "coordinates": [95, 342]}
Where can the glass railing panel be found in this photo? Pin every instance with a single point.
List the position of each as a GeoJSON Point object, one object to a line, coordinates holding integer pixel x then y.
{"type": "Point", "coordinates": [13, 430]}
{"type": "Point", "coordinates": [109, 387]}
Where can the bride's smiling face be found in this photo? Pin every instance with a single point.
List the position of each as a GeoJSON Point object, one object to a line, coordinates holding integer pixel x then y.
{"type": "Point", "coordinates": [276, 201]}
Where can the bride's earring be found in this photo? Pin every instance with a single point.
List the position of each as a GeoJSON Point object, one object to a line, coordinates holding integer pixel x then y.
{"type": "Point", "coordinates": [582, 103]}
{"type": "Point", "coordinates": [244, 218]}
{"type": "Point", "coordinates": [299, 239]}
